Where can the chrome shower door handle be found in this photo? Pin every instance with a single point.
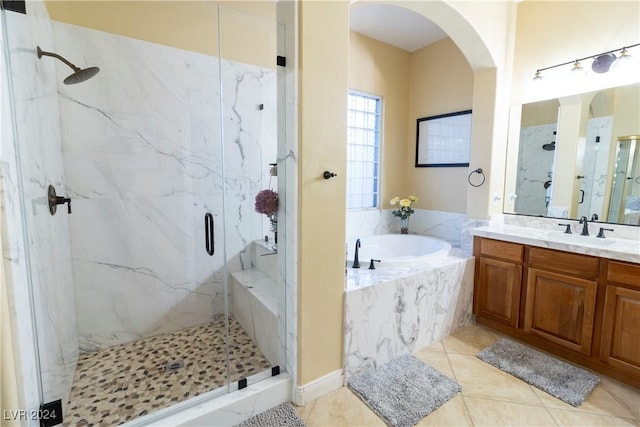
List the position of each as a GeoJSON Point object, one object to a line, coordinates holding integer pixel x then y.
{"type": "Point", "coordinates": [208, 234]}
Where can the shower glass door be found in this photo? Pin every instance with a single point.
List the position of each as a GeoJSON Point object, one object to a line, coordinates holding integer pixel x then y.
{"type": "Point", "coordinates": [248, 53]}
{"type": "Point", "coordinates": [132, 305]}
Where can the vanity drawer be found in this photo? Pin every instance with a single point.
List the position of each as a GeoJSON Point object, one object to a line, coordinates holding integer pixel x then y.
{"type": "Point", "coordinates": [576, 264]}
{"type": "Point", "coordinates": [624, 273]}
{"type": "Point", "coordinates": [502, 250]}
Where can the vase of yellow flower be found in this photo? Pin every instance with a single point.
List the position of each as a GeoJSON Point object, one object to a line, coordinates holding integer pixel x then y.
{"type": "Point", "coordinates": [403, 211]}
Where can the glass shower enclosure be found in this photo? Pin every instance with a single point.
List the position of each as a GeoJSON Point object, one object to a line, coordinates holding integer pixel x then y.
{"type": "Point", "coordinates": [135, 284]}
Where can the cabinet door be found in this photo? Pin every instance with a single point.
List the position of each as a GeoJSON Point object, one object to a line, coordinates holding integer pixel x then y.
{"type": "Point", "coordinates": [560, 309]}
{"type": "Point", "coordinates": [498, 291]}
{"type": "Point", "coordinates": [621, 329]}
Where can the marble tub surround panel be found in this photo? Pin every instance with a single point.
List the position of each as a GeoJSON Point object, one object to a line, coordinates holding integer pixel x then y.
{"type": "Point", "coordinates": [38, 248]}
{"type": "Point", "coordinates": [443, 225]}
{"type": "Point", "coordinates": [143, 159]}
{"type": "Point", "coordinates": [613, 248]}
{"type": "Point", "coordinates": [405, 311]}
{"type": "Point", "coordinates": [620, 231]}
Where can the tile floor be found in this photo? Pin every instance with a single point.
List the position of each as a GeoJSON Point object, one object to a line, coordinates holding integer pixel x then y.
{"type": "Point", "coordinates": [123, 382]}
{"type": "Point", "coordinates": [489, 396]}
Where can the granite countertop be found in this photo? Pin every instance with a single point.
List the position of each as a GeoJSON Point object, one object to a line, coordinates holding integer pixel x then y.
{"type": "Point", "coordinates": [609, 247]}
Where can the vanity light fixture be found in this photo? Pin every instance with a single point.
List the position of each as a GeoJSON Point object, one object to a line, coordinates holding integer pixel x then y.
{"type": "Point", "coordinates": [602, 62]}
{"type": "Point", "coordinates": [577, 66]}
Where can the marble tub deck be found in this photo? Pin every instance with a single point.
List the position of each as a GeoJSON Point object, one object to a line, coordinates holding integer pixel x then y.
{"type": "Point", "coordinates": [126, 381]}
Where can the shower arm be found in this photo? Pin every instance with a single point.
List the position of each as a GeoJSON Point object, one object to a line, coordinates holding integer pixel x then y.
{"type": "Point", "coordinates": [42, 53]}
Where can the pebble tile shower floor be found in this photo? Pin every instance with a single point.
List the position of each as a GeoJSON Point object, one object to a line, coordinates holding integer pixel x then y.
{"type": "Point", "coordinates": [126, 381]}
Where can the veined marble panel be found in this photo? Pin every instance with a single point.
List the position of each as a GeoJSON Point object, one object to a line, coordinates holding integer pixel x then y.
{"type": "Point", "coordinates": [443, 225]}
{"type": "Point", "coordinates": [38, 243]}
{"type": "Point", "coordinates": [404, 310]}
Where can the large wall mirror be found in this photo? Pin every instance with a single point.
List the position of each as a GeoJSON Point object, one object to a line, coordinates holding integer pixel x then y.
{"type": "Point", "coordinates": [576, 156]}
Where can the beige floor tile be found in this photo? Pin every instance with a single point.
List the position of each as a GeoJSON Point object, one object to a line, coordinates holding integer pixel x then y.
{"type": "Point", "coordinates": [338, 408]}
{"type": "Point", "coordinates": [486, 412]}
{"type": "Point", "coordinates": [599, 402]}
{"type": "Point", "coordinates": [576, 418]}
{"type": "Point", "coordinates": [436, 360]}
{"type": "Point", "coordinates": [452, 413]}
{"type": "Point", "coordinates": [480, 379]}
{"type": "Point", "coordinates": [626, 394]}
{"type": "Point", "coordinates": [470, 340]}
{"type": "Point", "coordinates": [436, 346]}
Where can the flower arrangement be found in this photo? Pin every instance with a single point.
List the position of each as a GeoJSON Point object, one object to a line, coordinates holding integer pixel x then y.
{"type": "Point", "coordinates": [267, 202]}
{"type": "Point", "coordinates": [403, 206]}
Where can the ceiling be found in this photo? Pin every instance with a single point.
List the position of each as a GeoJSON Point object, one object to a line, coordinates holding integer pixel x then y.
{"type": "Point", "coordinates": [394, 25]}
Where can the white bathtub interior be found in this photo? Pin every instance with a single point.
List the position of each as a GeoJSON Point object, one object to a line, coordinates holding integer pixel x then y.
{"type": "Point", "coordinates": [397, 250]}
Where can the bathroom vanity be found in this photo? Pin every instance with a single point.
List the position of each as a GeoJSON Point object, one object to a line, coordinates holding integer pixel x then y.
{"type": "Point", "coordinates": [574, 296]}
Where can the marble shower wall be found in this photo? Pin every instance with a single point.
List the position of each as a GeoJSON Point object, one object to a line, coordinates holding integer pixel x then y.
{"type": "Point", "coordinates": [534, 167]}
{"type": "Point", "coordinates": [36, 244]}
{"type": "Point", "coordinates": [143, 160]}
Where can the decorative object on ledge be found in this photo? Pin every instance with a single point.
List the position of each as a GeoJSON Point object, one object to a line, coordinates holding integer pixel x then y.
{"type": "Point", "coordinates": [267, 203]}
{"type": "Point", "coordinates": [403, 211]}
{"type": "Point", "coordinates": [479, 172]}
{"type": "Point", "coordinates": [443, 140]}
{"type": "Point", "coordinates": [602, 62]}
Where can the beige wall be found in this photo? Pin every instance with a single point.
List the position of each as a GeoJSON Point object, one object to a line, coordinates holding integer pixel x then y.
{"type": "Point", "coordinates": [248, 27]}
{"type": "Point", "coordinates": [440, 81]}
{"type": "Point", "coordinates": [414, 85]}
{"type": "Point", "coordinates": [553, 32]}
{"type": "Point", "coordinates": [383, 70]}
{"type": "Point", "coordinates": [323, 86]}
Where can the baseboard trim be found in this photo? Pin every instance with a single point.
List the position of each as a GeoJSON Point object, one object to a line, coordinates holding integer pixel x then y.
{"type": "Point", "coordinates": [318, 388]}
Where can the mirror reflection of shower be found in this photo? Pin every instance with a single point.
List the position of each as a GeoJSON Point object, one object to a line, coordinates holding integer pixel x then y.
{"type": "Point", "coordinates": [624, 205]}
{"type": "Point", "coordinates": [79, 75]}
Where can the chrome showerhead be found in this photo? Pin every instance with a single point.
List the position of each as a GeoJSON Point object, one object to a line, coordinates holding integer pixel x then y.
{"type": "Point", "coordinates": [79, 75]}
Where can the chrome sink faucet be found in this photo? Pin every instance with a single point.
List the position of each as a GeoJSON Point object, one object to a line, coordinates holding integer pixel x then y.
{"type": "Point", "coordinates": [356, 263]}
{"type": "Point", "coordinates": [585, 226]}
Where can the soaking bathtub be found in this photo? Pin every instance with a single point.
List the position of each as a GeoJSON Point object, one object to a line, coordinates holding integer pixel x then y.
{"type": "Point", "coordinates": [397, 250]}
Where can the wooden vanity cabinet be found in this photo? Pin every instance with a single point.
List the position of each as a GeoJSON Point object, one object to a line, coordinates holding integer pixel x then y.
{"type": "Point", "coordinates": [620, 345]}
{"type": "Point", "coordinates": [560, 299]}
{"type": "Point", "coordinates": [499, 281]}
{"type": "Point", "coordinates": [580, 307]}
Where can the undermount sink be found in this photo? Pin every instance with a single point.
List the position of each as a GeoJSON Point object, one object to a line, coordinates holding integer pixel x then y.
{"type": "Point", "coordinates": [580, 240]}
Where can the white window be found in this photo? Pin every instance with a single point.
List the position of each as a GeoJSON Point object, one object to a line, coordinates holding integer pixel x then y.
{"type": "Point", "coordinates": [363, 150]}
